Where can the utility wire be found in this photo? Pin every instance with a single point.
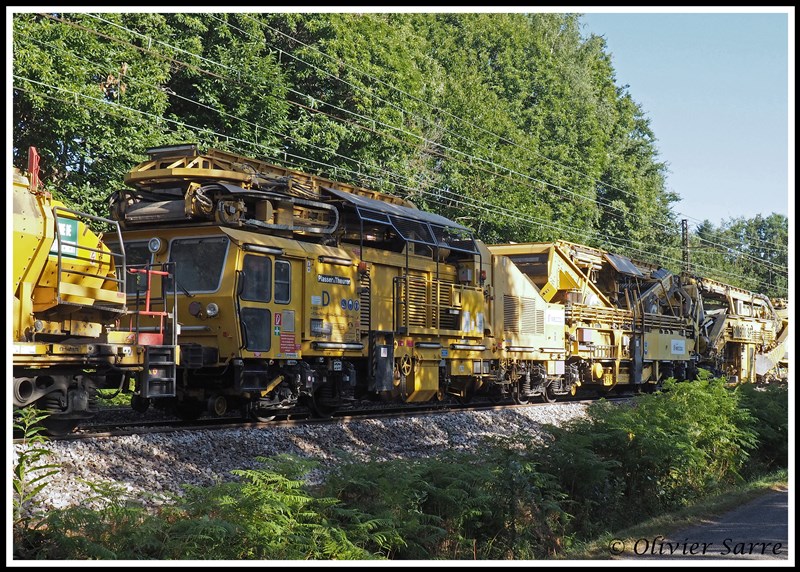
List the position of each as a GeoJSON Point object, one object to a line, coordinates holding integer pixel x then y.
{"type": "Point", "coordinates": [404, 111]}
{"type": "Point", "coordinates": [354, 87]}
{"type": "Point", "coordinates": [488, 208]}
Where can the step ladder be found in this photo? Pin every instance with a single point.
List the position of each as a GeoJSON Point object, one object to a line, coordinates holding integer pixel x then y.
{"type": "Point", "coordinates": [159, 377]}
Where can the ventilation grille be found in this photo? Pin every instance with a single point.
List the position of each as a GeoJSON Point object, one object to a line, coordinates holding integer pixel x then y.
{"type": "Point", "coordinates": [364, 298]}
{"type": "Point", "coordinates": [417, 303]}
{"type": "Point", "coordinates": [449, 317]}
{"type": "Point", "coordinates": [521, 316]}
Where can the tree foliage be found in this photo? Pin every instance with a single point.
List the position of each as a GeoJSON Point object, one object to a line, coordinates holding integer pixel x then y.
{"type": "Point", "coordinates": [512, 124]}
{"type": "Point", "coordinates": [753, 253]}
{"type": "Point", "coordinates": [627, 462]}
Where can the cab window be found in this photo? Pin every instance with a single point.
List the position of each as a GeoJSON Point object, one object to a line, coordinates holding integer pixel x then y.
{"type": "Point", "coordinates": [256, 328]}
{"type": "Point", "coordinates": [255, 280]}
{"type": "Point", "coordinates": [137, 255]}
{"type": "Point", "coordinates": [198, 263]}
{"type": "Point", "coordinates": [283, 282]}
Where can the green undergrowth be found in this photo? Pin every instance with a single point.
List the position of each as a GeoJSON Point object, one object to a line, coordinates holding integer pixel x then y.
{"type": "Point", "coordinates": [690, 450]}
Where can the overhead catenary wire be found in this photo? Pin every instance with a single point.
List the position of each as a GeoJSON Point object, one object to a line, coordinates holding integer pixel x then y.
{"type": "Point", "coordinates": [340, 109]}
{"type": "Point", "coordinates": [400, 108]}
{"type": "Point", "coordinates": [458, 199]}
{"type": "Point", "coordinates": [429, 104]}
{"type": "Point", "coordinates": [494, 207]}
{"type": "Point", "coordinates": [779, 248]}
{"type": "Point", "coordinates": [273, 131]}
{"type": "Point", "coordinates": [436, 201]}
{"type": "Point", "coordinates": [728, 249]}
{"type": "Point", "coordinates": [439, 109]}
{"type": "Point", "coordinates": [535, 220]}
{"type": "Point", "coordinates": [403, 110]}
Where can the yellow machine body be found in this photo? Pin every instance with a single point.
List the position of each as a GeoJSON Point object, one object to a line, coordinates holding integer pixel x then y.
{"type": "Point", "coordinates": [68, 299]}
{"type": "Point", "coordinates": [294, 289]}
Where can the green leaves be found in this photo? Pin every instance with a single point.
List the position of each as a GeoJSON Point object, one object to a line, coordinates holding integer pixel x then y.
{"type": "Point", "coordinates": [661, 452]}
{"type": "Point", "coordinates": [511, 122]}
{"type": "Point", "coordinates": [514, 499]}
{"type": "Point", "coordinates": [30, 473]}
{"type": "Point", "coordinates": [752, 253]}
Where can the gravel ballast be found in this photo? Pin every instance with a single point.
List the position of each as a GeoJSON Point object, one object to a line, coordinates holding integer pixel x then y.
{"type": "Point", "coordinates": [163, 462]}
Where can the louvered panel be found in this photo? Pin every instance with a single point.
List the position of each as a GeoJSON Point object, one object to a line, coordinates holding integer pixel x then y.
{"type": "Point", "coordinates": [417, 304]}
{"type": "Point", "coordinates": [364, 300]}
{"type": "Point", "coordinates": [521, 316]}
{"type": "Point", "coordinates": [528, 315]}
{"type": "Point", "coordinates": [448, 316]}
{"type": "Point", "coordinates": [511, 313]}
{"type": "Point", "coordinates": [539, 330]}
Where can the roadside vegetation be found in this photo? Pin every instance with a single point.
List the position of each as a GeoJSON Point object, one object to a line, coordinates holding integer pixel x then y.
{"type": "Point", "coordinates": [684, 451]}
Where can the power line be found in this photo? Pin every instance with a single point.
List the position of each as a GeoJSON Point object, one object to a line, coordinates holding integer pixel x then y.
{"type": "Point", "coordinates": [494, 208]}
{"type": "Point", "coordinates": [434, 107]}
{"type": "Point", "coordinates": [742, 253]}
{"type": "Point", "coordinates": [474, 143]}
{"type": "Point", "coordinates": [404, 111]}
{"type": "Point", "coordinates": [488, 207]}
{"type": "Point", "coordinates": [471, 157]}
{"type": "Point", "coordinates": [335, 107]}
{"type": "Point", "coordinates": [779, 247]}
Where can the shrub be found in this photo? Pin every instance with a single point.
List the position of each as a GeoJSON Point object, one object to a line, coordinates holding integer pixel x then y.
{"type": "Point", "coordinates": [660, 452]}
{"type": "Point", "coordinates": [769, 406]}
{"type": "Point", "coordinates": [491, 506]}
{"type": "Point", "coordinates": [30, 475]}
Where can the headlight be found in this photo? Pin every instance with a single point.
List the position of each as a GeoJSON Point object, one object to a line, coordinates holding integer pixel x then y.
{"type": "Point", "coordinates": [154, 245]}
{"type": "Point", "coordinates": [212, 310]}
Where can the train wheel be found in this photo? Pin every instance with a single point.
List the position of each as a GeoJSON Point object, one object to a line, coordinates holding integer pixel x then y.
{"type": "Point", "coordinates": [248, 412]}
{"type": "Point", "coordinates": [548, 396]}
{"type": "Point", "coordinates": [217, 405]}
{"type": "Point", "coordinates": [189, 410]}
{"type": "Point", "coordinates": [518, 398]}
{"type": "Point", "coordinates": [468, 393]}
{"type": "Point", "coordinates": [59, 427]}
{"type": "Point", "coordinates": [139, 404]}
{"type": "Point", "coordinates": [319, 408]}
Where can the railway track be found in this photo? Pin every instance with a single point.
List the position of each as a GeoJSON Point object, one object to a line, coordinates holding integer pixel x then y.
{"type": "Point", "coordinates": [295, 418]}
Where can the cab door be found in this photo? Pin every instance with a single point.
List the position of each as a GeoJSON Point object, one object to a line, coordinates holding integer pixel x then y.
{"type": "Point", "coordinates": [254, 301]}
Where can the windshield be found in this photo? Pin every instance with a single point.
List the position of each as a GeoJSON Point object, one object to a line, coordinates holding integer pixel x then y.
{"type": "Point", "coordinates": [198, 263]}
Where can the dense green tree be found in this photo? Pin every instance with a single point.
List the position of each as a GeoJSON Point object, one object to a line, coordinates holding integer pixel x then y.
{"type": "Point", "coordinates": [751, 253]}
{"type": "Point", "coordinates": [89, 105]}
{"type": "Point", "coordinates": [226, 82]}
{"type": "Point", "coordinates": [93, 91]}
{"type": "Point", "coordinates": [512, 124]}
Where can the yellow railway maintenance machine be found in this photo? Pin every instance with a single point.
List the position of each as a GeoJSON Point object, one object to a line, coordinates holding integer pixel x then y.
{"type": "Point", "coordinates": [624, 323]}
{"type": "Point", "coordinates": [744, 336]}
{"type": "Point", "coordinates": [294, 289]}
{"type": "Point", "coordinates": [69, 297]}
